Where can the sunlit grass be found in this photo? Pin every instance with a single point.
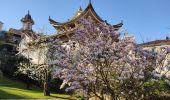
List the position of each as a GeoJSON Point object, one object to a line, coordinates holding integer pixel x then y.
{"type": "Point", "coordinates": [16, 90]}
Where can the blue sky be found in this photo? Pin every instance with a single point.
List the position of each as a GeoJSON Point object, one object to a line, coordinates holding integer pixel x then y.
{"type": "Point", "coordinates": [145, 19]}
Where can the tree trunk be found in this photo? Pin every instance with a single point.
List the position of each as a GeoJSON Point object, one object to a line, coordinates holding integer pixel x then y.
{"type": "Point", "coordinates": [87, 94]}
{"type": "Point", "coordinates": [27, 86]}
{"type": "Point", "coordinates": [113, 96]}
{"type": "Point", "coordinates": [27, 82]}
{"type": "Point", "coordinates": [46, 83]}
{"type": "Point", "coordinates": [46, 89]}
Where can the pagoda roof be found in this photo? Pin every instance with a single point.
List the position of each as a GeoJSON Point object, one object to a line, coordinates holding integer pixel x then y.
{"type": "Point", "coordinates": [89, 11]}
{"type": "Point", "coordinates": [27, 18]}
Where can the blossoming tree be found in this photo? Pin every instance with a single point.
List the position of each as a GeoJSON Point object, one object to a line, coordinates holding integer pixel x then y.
{"type": "Point", "coordinates": [33, 62]}
{"type": "Point", "coordinates": [97, 61]}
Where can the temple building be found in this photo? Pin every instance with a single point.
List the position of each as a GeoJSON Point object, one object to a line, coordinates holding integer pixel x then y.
{"type": "Point", "coordinates": [66, 29]}
{"type": "Point", "coordinates": [25, 34]}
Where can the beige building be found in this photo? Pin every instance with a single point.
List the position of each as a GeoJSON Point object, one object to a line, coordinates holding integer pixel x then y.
{"type": "Point", "coordinates": [27, 35]}
{"type": "Point", "coordinates": [158, 46]}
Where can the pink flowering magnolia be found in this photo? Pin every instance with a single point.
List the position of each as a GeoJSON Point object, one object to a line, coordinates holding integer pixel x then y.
{"type": "Point", "coordinates": [98, 61]}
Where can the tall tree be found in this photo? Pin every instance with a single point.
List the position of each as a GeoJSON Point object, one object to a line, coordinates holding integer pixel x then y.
{"type": "Point", "coordinates": [99, 62]}
{"type": "Point", "coordinates": [37, 66]}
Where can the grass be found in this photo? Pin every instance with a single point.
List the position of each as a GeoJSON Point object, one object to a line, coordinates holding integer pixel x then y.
{"type": "Point", "coordinates": [10, 89]}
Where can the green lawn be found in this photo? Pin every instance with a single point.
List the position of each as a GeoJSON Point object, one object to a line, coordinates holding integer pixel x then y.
{"type": "Point", "coordinates": [16, 90]}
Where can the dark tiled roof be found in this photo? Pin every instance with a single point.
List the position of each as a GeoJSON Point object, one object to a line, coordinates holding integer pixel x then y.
{"type": "Point", "coordinates": [155, 43]}
{"type": "Point", "coordinates": [89, 9]}
{"type": "Point", "coordinates": [29, 33]}
{"type": "Point", "coordinates": [27, 18]}
{"type": "Point", "coordinates": [15, 31]}
{"type": "Point", "coordinates": [1, 22]}
{"type": "Point", "coordinates": [22, 32]}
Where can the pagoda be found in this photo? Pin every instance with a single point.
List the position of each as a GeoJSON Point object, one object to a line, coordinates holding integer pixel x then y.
{"type": "Point", "coordinates": [66, 29]}
{"type": "Point", "coordinates": [26, 29]}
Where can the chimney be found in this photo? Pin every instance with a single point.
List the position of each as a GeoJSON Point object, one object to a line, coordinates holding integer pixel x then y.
{"type": "Point", "coordinates": [1, 25]}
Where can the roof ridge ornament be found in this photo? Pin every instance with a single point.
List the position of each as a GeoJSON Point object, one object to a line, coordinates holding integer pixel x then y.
{"type": "Point", "coordinates": [27, 18]}
{"type": "Point", "coordinates": [89, 1]}
{"type": "Point", "coordinates": [80, 9]}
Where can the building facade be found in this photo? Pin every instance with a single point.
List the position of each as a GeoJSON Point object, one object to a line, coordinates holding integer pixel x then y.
{"type": "Point", "coordinates": [158, 46]}
{"type": "Point", "coordinates": [15, 37]}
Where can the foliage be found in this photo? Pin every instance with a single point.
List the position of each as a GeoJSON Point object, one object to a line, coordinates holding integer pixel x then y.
{"type": "Point", "coordinates": [8, 62]}
{"type": "Point", "coordinates": [33, 71]}
{"type": "Point", "coordinates": [98, 62]}
{"type": "Point", "coordinates": [8, 59]}
{"type": "Point", "coordinates": [55, 85]}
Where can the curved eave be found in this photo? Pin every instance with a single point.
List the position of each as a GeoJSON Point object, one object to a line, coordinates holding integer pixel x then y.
{"type": "Point", "coordinates": [119, 25]}
{"type": "Point", "coordinates": [53, 22]}
{"type": "Point", "coordinates": [27, 20]}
